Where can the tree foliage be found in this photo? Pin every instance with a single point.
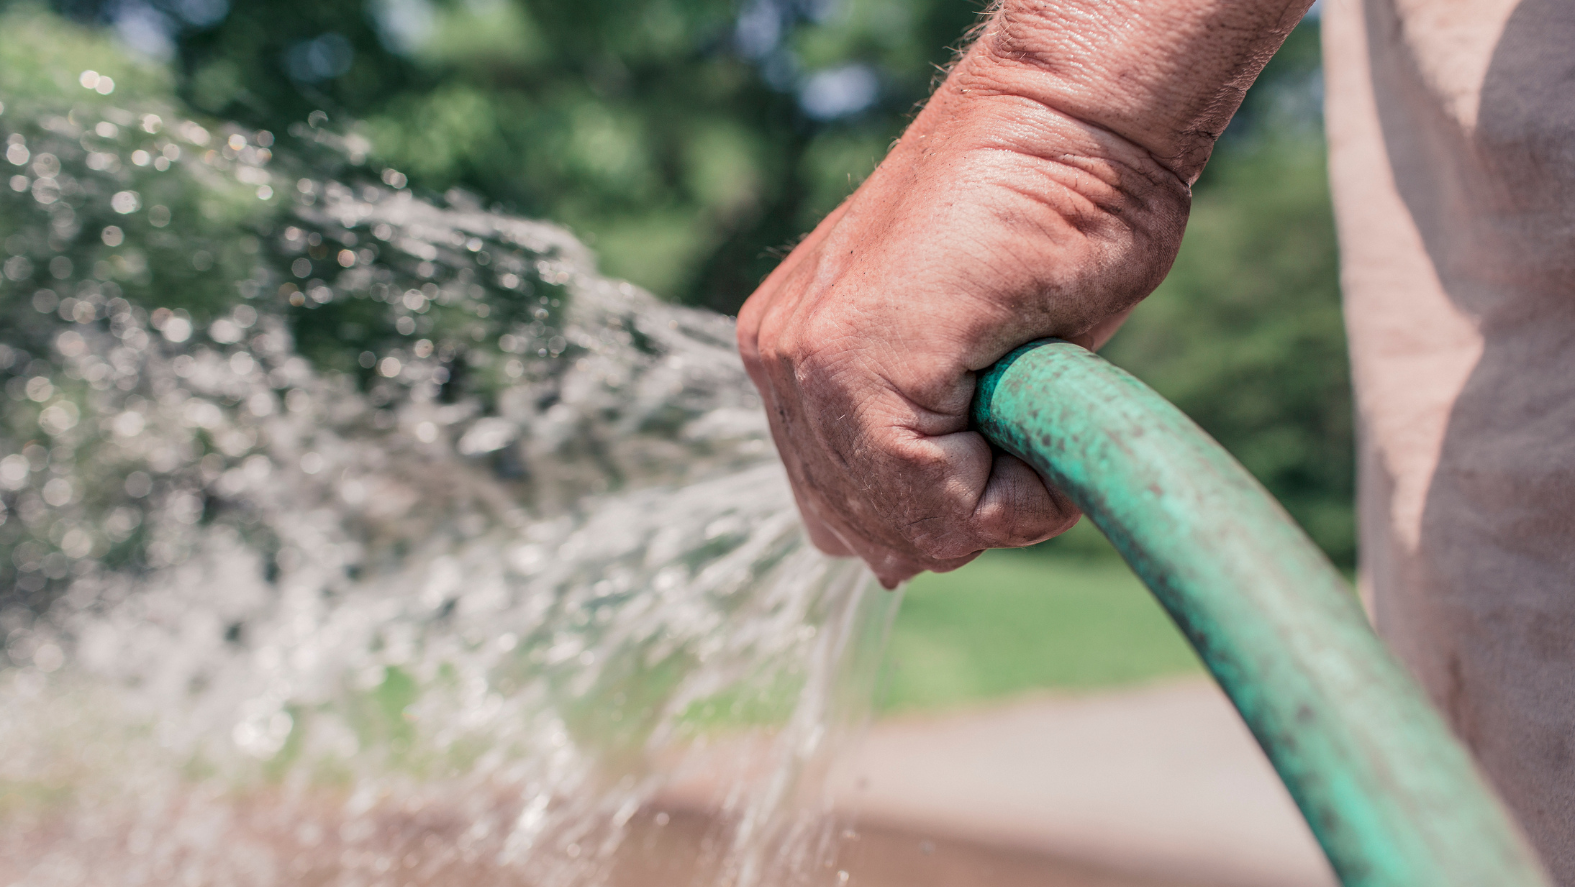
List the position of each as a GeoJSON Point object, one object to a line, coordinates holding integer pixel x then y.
{"type": "Point", "coordinates": [691, 140]}
{"type": "Point", "coordinates": [686, 139]}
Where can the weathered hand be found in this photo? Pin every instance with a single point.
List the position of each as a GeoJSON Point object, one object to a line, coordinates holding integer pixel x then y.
{"type": "Point", "coordinates": [1000, 217]}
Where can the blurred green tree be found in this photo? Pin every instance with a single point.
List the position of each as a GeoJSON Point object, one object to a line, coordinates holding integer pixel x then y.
{"type": "Point", "coordinates": [690, 140]}
{"type": "Point", "coordinates": [685, 139]}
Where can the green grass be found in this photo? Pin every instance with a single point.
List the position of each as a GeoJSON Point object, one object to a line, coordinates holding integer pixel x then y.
{"type": "Point", "coordinates": [1072, 617]}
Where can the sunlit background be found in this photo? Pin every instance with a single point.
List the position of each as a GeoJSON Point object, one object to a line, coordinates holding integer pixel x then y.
{"type": "Point", "coordinates": [688, 143]}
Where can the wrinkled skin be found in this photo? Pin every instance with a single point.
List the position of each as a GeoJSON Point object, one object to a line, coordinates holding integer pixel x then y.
{"type": "Point", "coordinates": [1009, 211]}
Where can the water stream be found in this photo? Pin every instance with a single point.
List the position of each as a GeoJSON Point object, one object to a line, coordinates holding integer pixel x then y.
{"type": "Point", "coordinates": [356, 538]}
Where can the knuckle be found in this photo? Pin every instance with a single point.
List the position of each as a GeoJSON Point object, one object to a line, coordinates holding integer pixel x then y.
{"type": "Point", "coordinates": [937, 539]}
{"type": "Point", "coordinates": [769, 358]}
{"type": "Point", "coordinates": [823, 340]}
{"type": "Point", "coordinates": [748, 338]}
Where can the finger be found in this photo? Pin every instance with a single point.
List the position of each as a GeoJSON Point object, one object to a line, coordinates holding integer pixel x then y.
{"type": "Point", "coordinates": [820, 532]}
{"type": "Point", "coordinates": [950, 564]}
{"type": "Point", "coordinates": [893, 569]}
{"type": "Point", "coordinates": [892, 565]}
{"type": "Point", "coordinates": [1018, 508]}
{"type": "Point", "coordinates": [976, 498]}
{"type": "Point", "coordinates": [825, 538]}
{"type": "Point", "coordinates": [943, 478]}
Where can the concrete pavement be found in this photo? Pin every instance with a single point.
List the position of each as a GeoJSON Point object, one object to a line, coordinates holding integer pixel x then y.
{"type": "Point", "coordinates": [1160, 783]}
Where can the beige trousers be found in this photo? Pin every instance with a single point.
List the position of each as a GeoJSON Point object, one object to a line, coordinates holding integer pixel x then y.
{"type": "Point", "coordinates": [1452, 156]}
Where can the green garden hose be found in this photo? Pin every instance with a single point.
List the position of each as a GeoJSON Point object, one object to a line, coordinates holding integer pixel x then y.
{"type": "Point", "coordinates": [1390, 794]}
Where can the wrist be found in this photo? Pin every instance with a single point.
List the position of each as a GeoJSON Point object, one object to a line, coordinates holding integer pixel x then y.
{"type": "Point", "coordinates": [1082, 222]}
{"type": "Point", "coordinates": [1164, 75]}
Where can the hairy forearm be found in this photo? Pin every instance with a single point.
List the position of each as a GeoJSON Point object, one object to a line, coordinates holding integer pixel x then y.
{"type": "Point", "coordinates": [1165, 75]}
{"type": "Point", "coordinates": [1079, 126]}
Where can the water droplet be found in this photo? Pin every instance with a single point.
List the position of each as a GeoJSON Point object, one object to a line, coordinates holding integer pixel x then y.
{"type": "Point", "coordinates": [177, 329]}
{"type": "Point", "coordinates": [58, 418]}
{"type": "Point", "coordinates": [125, 202]}
{"type": "Point", "coordinates": [48, 657]}
{"type": "Point", "coordinates": [39, 389]}
{"type": "Point", "coordinates": [14, 471]}
{"type": "Point", "coordinates": [138, 484]}
{"type": "Point", "coordinates": [129, 424]}
{"type": "Point", "coordinates": [59, 492]}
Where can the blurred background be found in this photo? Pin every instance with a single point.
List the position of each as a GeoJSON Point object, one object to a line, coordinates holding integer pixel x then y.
{"type": "Point", "coordinates": [691, 142]}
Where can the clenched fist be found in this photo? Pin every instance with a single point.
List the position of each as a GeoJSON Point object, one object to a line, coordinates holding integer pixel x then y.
{"type": "Point", "coordinates": [1043, 191]}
